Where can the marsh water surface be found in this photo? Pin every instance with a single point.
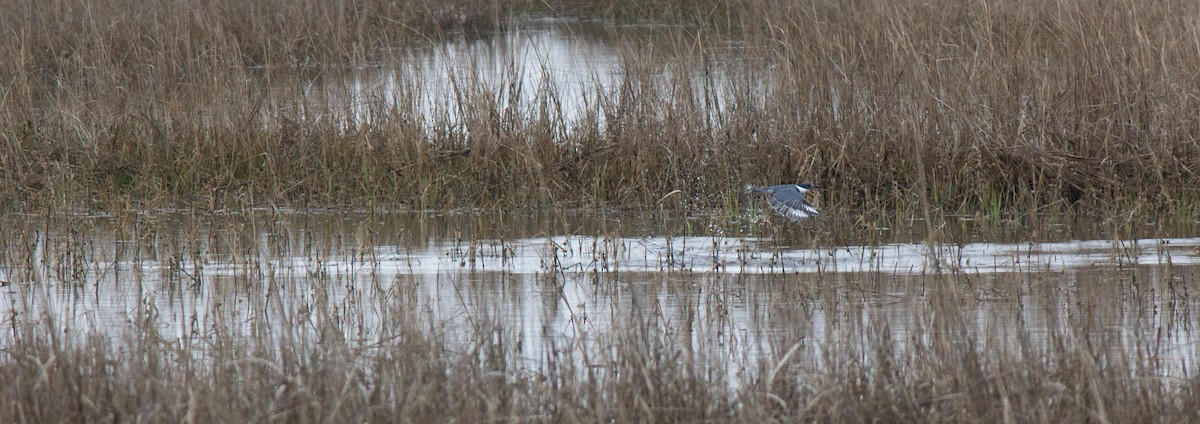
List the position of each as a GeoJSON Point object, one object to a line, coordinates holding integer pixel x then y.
{"type": "Point", "coordinates": [539, 70]}
{"type": "Point", "coordinates": [732, 291]}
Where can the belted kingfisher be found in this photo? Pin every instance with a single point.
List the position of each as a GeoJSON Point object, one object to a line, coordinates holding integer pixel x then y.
{"type": "Point", "coordinates": [788, 200]}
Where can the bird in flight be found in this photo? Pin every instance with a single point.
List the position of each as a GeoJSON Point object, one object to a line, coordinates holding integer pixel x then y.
{"type": "Point", "coordinates": [788, 200]}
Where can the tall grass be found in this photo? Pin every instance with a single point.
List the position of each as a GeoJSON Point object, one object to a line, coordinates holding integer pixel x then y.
{"type": "Point", "coordinates": [1011, 107]}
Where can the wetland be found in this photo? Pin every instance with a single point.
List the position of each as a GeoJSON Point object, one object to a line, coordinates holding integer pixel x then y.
{"type": "Point", "coordinates": [581, 312]}
{"type": "Point", "coordinates": [369, 211]}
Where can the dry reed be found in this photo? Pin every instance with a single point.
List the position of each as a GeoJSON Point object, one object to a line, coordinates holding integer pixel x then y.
{"type": "Point", "coordinates": [1011, 107]}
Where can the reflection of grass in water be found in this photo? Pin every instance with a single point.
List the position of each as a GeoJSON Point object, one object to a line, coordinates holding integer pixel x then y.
{"type": "Point", "coordinates": [1090, 345]}
{"type": "Point", "coordinates": [1012, 109]}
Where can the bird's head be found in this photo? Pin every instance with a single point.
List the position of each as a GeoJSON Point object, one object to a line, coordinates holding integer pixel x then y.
{"type": "Point", "coordinates": [806, 187]}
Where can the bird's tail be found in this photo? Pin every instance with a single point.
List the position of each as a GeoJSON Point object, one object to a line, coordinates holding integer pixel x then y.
{"type": "Point", "coordinates": [751, 188]}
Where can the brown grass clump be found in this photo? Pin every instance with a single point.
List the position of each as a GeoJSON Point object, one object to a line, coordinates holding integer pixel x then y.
{"type": "Point", "coordinates": [990, 107]}
{"type": "Point", "coordinates": [1006, 102]}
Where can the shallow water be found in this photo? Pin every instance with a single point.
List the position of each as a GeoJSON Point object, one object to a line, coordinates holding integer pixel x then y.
{"type": "Point", "coordinates": [537, 70]}
{"type": "Point", "coordinates": [734, 293]}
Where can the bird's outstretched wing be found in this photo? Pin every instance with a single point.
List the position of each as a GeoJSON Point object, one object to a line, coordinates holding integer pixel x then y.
{"type": "Point", "coordinates": [796, 209]}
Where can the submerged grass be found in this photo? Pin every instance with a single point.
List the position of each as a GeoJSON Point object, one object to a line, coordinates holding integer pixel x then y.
{"type": "Point", "coordinates": [277, 341]}
{"type": "Point", "coordinates": [1011, 107]}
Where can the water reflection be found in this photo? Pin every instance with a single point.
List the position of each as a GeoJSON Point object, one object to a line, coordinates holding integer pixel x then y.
{"type": "Point", "coordinates": [539, 68]}
{"type": "Point", "coordinates": [555, 280]}
{"type": "Point", "coordinates": [564, 73]}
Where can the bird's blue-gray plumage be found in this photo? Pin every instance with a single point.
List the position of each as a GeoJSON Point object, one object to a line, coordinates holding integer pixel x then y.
{"type": "Point", "coordinates": [788, 200]}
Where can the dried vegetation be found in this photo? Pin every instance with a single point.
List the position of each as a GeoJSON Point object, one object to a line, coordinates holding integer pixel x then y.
{"type": "Point", "coordinates": [988, 107]}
